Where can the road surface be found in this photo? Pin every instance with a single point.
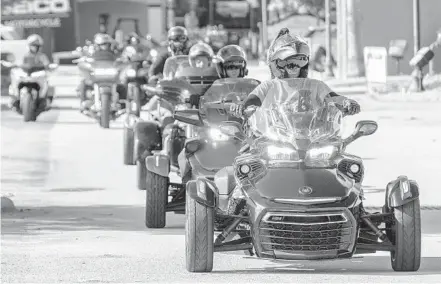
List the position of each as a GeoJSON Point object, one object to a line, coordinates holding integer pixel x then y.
{"type": "Point", "coordinates": [80, 218]}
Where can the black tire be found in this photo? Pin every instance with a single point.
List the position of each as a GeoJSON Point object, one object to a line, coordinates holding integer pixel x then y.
{"type": "Point", "coordinates": [105, 110]}
{"type": "Point", "coordinates": [156, 200]}
{"type": "Point", "coordinates": [407, 237]}
{"type": "Point", "coordinates": [141, 175]}
{"type": "Point", "coordinates": [28, 107]}
{"type": "Point", "coordinates": [129, 146]}
{"type": "Point", "coordinates": [199, 236]}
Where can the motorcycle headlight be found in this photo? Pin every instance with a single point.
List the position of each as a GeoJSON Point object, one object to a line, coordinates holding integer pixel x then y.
{"type": "Point", "coordinates": [131, 73]}
{"type": "Point", "coordinates": [105, 72]}
{"type": "Point", "coordinates": [153, 53]}
{"type": "Point", "coordinates": [217, 135]}
{"type": "Point", "coordinates": [281, 153]}
{"type": "Point", "coordinates": [321, 156]}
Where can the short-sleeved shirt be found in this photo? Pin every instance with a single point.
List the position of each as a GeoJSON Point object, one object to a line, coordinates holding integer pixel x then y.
{"type": "Point", "coordinates": [319, 90]}
{"type": "Point", "coordinates": [36, 60]}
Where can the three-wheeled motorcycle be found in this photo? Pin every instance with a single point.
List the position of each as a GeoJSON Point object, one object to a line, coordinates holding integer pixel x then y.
{"type": "Point", "coordinates": [134, 77]}
{"type": "Point", "coordinates": [189, 82]}
{"type": "Point", "coordinates": [203, 155]}
{"type": "Point", "coordinates": [296, 194]}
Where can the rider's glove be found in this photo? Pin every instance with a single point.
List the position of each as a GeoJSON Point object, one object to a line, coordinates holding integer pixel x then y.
{"type": "Point", "coordinates": [153, 80]}
{"type": "Point", "coordinates": [351, 107]}
{"type": "Point", "coordinates": [236, 110]}
{"type": "Point", "coordinates": [194, 100]}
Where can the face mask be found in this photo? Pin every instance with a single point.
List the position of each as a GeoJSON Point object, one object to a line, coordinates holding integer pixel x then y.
{"type": "Point", "coordinates": [293, 73]}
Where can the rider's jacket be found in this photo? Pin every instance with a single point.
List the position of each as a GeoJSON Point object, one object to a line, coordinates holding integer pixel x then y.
{"type": "Point", "coordinates": [157, 66]}
{"type": "Point", "coordinates": [104, 55]}
{"type": "Point", "coordinates": [317, 93]}
{"type": "Point", "coordinates": [36, 60]}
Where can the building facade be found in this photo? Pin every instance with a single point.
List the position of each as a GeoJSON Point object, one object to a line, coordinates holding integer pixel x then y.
{"type": "Point", "coordinates": [66, 24]}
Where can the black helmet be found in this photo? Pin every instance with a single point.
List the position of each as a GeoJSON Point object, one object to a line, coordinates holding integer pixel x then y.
{"type": "Point", "coordinates": [200, 49]}
{"type": "Point", "coordinates": [232, 55]}
{"type": "Point", "coordinates": [177, 40]}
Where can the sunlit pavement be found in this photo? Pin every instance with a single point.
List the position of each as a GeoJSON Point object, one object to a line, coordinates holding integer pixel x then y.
{"type": "Point", "coordinates": [81, 218]}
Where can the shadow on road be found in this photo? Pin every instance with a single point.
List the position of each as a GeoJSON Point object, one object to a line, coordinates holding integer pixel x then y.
{"type": "Point", "coordinates": [53, 219]}
{"type": "Point", "coordinates": [366, 265]}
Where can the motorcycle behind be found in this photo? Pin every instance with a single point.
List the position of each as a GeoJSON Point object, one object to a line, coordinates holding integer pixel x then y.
{"type": "Point", "coordinates": [295, 194]}
{"type": "Point", "coordinates": [134, 77]}
{"type": "Point", "coordinates": [102, 99]}
{"type": "Point", "coordinates": [203, 155]}
{"type": "Point", "coordinates": [30, 85]}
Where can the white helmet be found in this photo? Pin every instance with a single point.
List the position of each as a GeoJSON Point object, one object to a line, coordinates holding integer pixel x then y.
{"type": "Point", "coordinates": [35, 40]}
{"type": "Point", "coordinates": [283, 47]}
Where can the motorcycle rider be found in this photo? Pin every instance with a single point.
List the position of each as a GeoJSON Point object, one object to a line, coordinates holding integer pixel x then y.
{"type": "Point", "coordinates": [34, 58]}
{"type": "Point", "coordinates": [200, 55]}
{"type": "Point", "coordinates": [232, 62]}
{"type": "Point", "coordinates": [288, 57]}
{"type": "Point", "coordinates": [178, 44]}
{"type": "Point", "coordinates": [103, 45]}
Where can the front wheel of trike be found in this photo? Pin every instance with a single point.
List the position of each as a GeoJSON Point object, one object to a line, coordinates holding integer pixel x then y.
{"type": "Point", "coordinates": [156, 200]}
{"type": "Point", "coordinates": [406, 235]}
{"type": "Point", "coordinates": [199, 234]}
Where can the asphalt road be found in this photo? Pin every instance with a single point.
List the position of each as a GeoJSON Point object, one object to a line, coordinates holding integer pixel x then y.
{"type": "Point", "coordinates": [80, 217]}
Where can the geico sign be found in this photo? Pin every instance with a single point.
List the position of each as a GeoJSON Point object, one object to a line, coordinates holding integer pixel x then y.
{"type": "Point", "coordinates": [36, 7]}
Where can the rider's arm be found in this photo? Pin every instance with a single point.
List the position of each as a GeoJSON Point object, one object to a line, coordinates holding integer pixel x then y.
{"type": "Point", "coordinates": [44, 60]}
{"type": "Point", "coordinates": [256, 97]}
{"type": "Point", "coordinates": [334, 97]}
{"type": "Point", "coordinates": [157, 66]}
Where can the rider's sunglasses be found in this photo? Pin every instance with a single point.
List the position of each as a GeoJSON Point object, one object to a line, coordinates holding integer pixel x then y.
{"type": "Point", "coordinates": [234, 65]}
{"type": "Point", "coordinates": [179, 38]}
{"type": "Point", "coordinates": [296, 62]}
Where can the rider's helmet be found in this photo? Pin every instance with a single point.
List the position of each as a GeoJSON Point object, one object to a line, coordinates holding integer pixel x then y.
{"type": "Point", "coordinates": [103, 41]}
{"type": "Point", "coordinates": [288, 56]}
{"type": "Point", "coordinates": [200, 55]}
{"type": "Point", "coordinates": [177, 40]}
{"type": "Point", "coordinates": [35, 42]}
{"type": "Point", "coordinates": [232, 62]}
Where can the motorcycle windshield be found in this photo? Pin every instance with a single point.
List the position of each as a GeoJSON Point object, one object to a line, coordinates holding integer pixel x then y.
{"type": "Point", "coordinates": [172, 64]}
{"type": "Point", "coordinates": [227, 90]}
{"type": "Point", "coordinates": [294, 111]}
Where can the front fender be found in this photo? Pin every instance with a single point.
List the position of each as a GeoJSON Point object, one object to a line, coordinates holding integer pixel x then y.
{"type": "Point", "coordinates": [203, 191]}
{"type": "Point", "coordinates": [158, 164]}
{"type": "Point", "coordinates": [401, 191]}
{"type": "Point", "coordinates": [149, 135]}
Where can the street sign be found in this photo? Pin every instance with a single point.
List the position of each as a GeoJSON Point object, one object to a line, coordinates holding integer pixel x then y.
{"type": "Point", "coordinates": [35, 13]}
{"type": "Point", "coordinates": [375, 62]}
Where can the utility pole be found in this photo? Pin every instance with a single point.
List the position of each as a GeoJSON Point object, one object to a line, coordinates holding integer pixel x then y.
{"type": "Point", "coordinates": [264, 25]}
{"type": "Point", "coordinates": [328, 69]}
{"type": "Point", "coordinates": [417, 73]}
{"type": "Point", "coordinates": [211, 12]}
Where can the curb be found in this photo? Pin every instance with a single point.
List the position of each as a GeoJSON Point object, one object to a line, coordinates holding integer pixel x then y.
{"type": "Point", "coordinates": [7, 205]}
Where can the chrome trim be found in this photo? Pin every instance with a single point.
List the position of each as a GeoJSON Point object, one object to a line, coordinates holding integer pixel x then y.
{"type": "Point", "coordinates": [312, 200]}
{"type": "Point", "coordinates": [271, 214]}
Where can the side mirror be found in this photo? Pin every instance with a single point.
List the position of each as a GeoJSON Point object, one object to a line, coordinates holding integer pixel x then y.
{"type": "Point", "coordinates": [366, 127]}
{"type": "Point", "coordinates": [190, 116]}
{"type": "Point", "coordinates": [362, 128]}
